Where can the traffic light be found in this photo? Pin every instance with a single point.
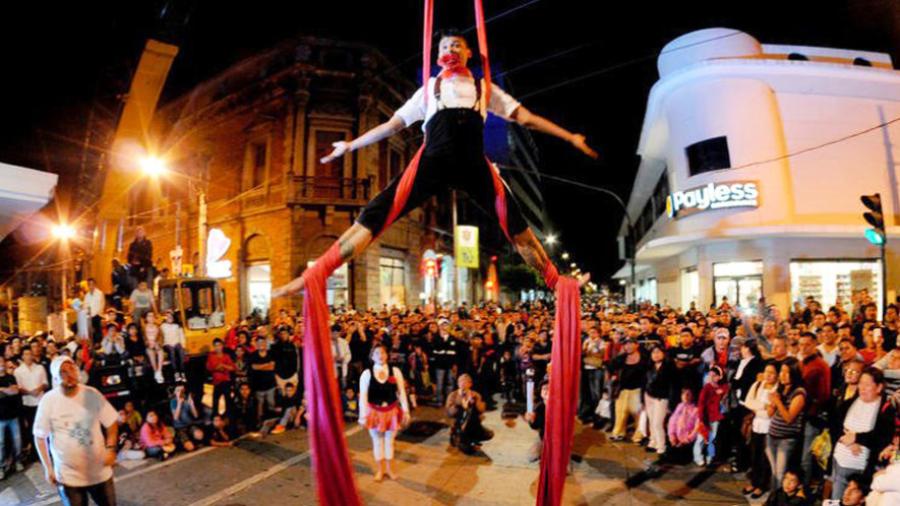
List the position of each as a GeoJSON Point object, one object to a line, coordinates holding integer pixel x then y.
{"type": "Point", "coordinates": [875, 217]}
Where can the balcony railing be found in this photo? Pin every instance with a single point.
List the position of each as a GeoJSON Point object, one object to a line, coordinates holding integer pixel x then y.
{"type": "Point", "coordinates": [339, 191]}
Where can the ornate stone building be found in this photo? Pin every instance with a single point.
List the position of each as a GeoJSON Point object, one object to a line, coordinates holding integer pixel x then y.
{"type": "Point", "coordinates": [250, 139]}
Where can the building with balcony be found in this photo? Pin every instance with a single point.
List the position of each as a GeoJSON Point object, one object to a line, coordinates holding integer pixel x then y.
{"type": "Point", "coordinates": [250, 139]}
{"type": "Point", "coordinates": [753, 160]}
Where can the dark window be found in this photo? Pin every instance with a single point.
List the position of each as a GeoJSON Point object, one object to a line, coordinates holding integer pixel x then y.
{"type": "Point", "coordinates": [798, 57]}
{"type": "Point", "coordinates": [711, 154]}
{"type": "Point", "coordinates": [258, 161]}
{"type": "Point", "coordinates": [862, 62]}
{"type": "Point", "coordinates": [395, 164]}
{"type": "Point", "coordinates": [660, 194]}
{"type": "Point", "coordinates": [328, 175]}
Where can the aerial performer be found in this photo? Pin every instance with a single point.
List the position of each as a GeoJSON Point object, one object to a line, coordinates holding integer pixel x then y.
{"type": "Point", "coordinates": [453, 106]}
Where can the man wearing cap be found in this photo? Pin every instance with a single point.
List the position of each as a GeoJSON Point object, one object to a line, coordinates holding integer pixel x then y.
{"type": "Point", "coordinates": [445, 353]}
{"type": "Point", "coordinates": [76, 456]}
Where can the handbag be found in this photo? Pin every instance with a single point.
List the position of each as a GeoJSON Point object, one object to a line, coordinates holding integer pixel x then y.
{"type": "Point", "coordinates": [821, 448]}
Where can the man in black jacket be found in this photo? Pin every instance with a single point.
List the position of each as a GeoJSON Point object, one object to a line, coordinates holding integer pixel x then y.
{"type": "Point", "coordinates": [140, 257]}
{"type": "Point", "coordinates": [445, 354]}
{"type": "Point", "coordinates": [287, 361]}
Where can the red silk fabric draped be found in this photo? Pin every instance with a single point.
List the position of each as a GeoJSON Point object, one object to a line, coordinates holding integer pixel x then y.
{"type": "Point", "coordinates": [565, 372]}
{"type": "Point", "coordinates": [331, 463]}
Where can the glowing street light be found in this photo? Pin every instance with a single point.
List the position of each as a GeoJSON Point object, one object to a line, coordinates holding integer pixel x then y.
{"type": "Point", "coordinates": [152, 166]}
{"type": "Point", "coordinates": [565, 256]}
{"type": "Point", "coordinates": [573, 265]}
{"type": "Point", "coordinates": [551, 239]}
{"type": "Point", "coordinates": [63, 232]}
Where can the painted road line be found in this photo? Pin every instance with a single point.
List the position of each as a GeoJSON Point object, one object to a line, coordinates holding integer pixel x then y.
{"type": "Point", "coordinates": [268, 473]}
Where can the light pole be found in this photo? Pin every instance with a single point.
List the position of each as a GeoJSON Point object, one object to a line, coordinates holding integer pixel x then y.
{"type": "Point", "coordinates": [63, 232]}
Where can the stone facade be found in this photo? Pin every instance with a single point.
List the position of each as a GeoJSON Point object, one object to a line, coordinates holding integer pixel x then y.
{"type": "Point", "coordinates": [251, 137]}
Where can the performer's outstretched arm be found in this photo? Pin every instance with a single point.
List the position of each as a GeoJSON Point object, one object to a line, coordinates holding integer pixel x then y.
{"type": "Point", "coordinates": [534, 121]}
{"type": "Point", "coordinates": [382, 131]}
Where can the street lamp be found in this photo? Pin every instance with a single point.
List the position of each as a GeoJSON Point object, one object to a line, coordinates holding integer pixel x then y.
{"type": "Point", "coordinates": [63, 232]}
{"type": "Point", "coordinates": [573, 265]}
{"type": "Point", "coordinates": [152, 166]}
{"type": "Point", "coordinates": [550, 240]}
{"type": "Point", "coordinates": [565, 256]}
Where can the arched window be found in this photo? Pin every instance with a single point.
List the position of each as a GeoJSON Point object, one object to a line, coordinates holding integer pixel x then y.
{"type": "Point", "coordinates": [258, 275]}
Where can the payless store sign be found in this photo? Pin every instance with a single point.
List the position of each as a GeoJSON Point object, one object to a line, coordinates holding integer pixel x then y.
{"type": "Point", "coordinates": [712, 196]}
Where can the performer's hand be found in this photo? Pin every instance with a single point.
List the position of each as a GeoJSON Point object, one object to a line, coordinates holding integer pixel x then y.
{"type": "Point", "coordinates": [580, 143]}
{"type": "Point", "coordinates": [340, 148]}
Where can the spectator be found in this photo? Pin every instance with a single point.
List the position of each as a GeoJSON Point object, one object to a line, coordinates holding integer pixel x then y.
{"type": "Point", "coordinates": [629, 370]}
{"type": "Point", "coordinates": [156, 438]}
{"type": "Point", "coordinates": [291, 408]}
{"type": "Point", "coordinates": [350, 403]}
{"type": "Point", "coordinates": [221, 367]}
{"type": "Point", "coordinates": [868, 428]}
{"type": "Point", "coordinates": [786, 408]}
{"type": "Point", "coordinates": [709, 407]}
{"type": "Point", "coordinates": [95, 303]}
{"type": "Point", "coordinates": [220, 436]}
{"type": "Point", "coordinates": [757, 402]}
{"type": "Point", "coordinates": [790, 493]}
{"type": "Point", "coordinates": [10, 411]}
{"type": "Point", "coordinates": [121, 284]}
{"type": "Point", "coordinates": [154, 347]}
{"type": "Point", "coordinates": [465, 407]}
{"type": "Point", "coordinates": [445, 357]}
{"type": "Point", "coordinates": [593, 350]}
{"type": "Point", "coordinates": [174, 344]}
{"type": "Point", "coordinates": [287, 360]}
{"type": "Point", "coordinates": [657, 394]}
{"type": "Point", "coordinates": [32, 381]}
{"type": "Point", "coordinates": [141, 302]}
{"type": "Point", "coordinates": [185, 417]}
{"type": "Point", "coordinates": [262, 377]}
{"type": "Point", "coordinates": [246, 412]}
{"type": "Point", "coordinates": [76, 461]}
{"type": "Point", "coordinates": [113, 344]}
{"type": "Point", "coordinates": [140, 257]}
{"type": "Point", "coordinates": [817, 383]}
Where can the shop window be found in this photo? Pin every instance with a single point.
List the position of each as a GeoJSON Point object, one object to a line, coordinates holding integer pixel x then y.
{"type": "Point", "coordinates": [737, 283]}
{"type": "Point", "coordinates": [690, 288]}
{"type": "Point", "coordinates": [259, 287]}
{"type": "Point", "coordinates": [328, 176]}
{"type": "Point", "coordinates": [709, 155]}
{"type": "Point", "coordinates": [393, 281]}
{"type": "Point", "coordinates": [835, 282]}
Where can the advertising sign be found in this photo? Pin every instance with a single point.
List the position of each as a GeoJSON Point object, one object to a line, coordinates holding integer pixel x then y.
{"type": "Point", "coordinates": [466, 241]}
{"type": "Point", "coordinates": [712, 196]}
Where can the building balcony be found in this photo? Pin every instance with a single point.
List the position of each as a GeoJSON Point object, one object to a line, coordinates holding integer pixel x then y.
{"type": "Point", "coordinates": [333, 191]}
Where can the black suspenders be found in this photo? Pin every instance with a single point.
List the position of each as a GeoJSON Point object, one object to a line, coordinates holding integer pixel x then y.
{"type": "Point", "coordinates": [437, 93]}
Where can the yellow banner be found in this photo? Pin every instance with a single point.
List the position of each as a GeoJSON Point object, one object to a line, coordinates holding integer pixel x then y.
{"type": "Point", "coordinates": [466, 242]}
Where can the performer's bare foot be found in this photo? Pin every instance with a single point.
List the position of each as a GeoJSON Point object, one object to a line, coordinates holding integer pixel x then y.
{"type": "Point", "coordinates": [379, 476]}
{"type": "Point", "coordinates": [295, 286]}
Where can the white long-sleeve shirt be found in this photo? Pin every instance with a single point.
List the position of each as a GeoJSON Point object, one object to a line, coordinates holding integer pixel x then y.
{"type": "Point", "coordinates": [95, 301]}
{"type": "Point", "coordinates": [757, 401]}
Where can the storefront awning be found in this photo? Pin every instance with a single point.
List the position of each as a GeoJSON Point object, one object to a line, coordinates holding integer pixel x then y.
{"type": "Point", "coordinates": [23, 192]}
{"type": "Point", "coordinates": [625, 271]}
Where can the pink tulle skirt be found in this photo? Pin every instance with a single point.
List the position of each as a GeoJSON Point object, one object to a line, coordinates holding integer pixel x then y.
{"type": "Point", "coordinates": [385, 418]}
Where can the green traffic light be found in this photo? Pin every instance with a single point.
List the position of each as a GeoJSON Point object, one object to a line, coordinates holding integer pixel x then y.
{"type": "Point", "coordinates": [874, 237]}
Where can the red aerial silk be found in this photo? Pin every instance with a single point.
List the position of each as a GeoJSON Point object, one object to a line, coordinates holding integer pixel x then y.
{"type": "Point", "coordinates": [565, 370]}
{"type": "Point", "coordinates": [331, 463]}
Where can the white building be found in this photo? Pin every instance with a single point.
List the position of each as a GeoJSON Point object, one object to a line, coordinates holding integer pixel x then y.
{"type": "Point", "coordinates": [785, 139]}
{"type": "Point", "coordinates": [23, 192]}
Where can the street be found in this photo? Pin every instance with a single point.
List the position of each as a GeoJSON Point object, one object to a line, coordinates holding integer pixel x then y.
{"type": "Point", "coordinates": [276, 470]}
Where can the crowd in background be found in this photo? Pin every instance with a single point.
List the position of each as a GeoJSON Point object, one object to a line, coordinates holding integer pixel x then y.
{"type": "Point", "coordinates": [804, 403]}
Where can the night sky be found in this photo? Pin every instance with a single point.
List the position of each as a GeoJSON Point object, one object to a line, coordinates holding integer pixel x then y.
{"type": "Point", "coordinates": [61, 58]}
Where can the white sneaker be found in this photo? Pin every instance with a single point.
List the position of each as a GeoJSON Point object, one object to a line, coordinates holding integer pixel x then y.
{"type": "Point", "coordinates": [19, 467]}
{"type": "Point", "coordinates": [159, 377]}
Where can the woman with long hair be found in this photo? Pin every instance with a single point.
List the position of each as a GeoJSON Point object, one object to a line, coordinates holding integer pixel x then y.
{"type": "Point", "coordinates": [383, 409]}
{"type": "Point", "coordinates": [786, 404]}
{"type": "Point", "coordinates": [757, 401]}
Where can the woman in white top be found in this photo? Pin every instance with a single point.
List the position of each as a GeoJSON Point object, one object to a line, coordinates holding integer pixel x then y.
{"type": "Point", "coordinates": [383, 409]}
{"type": "Point", "coordinates": [868, 427]}
{"type": "Point", "coordinates": [173, 344]}
{"type": "Point", "coordinates": [757, 401]}
{"type": "Point", "coordinates": [154, 350]}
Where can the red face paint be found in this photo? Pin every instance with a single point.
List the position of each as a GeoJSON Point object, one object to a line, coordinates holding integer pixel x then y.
{"type": "Point", "coordinates": [451, 63]}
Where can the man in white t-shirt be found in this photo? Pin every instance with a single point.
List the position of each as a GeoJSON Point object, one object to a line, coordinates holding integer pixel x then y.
{"type": "Point", "coordinates": [32, 380]}
{"type": "Point", "coordinates": [95, 303]}
{"type": "Point", "coordinates": [453, 107]}
{"type": "Point", "coordinates": [76, 456]}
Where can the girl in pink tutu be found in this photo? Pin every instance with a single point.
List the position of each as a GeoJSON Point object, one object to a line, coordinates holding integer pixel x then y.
{"type": "Point", "coordinates": [383, 409]}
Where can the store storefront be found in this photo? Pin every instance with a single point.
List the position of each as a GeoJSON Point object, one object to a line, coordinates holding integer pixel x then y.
{"type": "Point", "coordinates": [835, 281]}
{"type": "Point", "coordinates": [392, 270]}
{"type": "Point", "coordinates": [739, 282]}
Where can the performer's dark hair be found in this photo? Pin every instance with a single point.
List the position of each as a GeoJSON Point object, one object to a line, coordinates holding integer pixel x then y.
{"type": "Point", "coordinates": [450, 32]}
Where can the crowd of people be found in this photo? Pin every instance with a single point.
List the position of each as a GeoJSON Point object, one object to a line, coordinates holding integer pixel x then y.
{"type": "Point", "coordinates": [804, 403]}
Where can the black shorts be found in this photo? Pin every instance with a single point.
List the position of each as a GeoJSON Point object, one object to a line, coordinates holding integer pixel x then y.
{"type": "Point", "coordinates": [453, 158]}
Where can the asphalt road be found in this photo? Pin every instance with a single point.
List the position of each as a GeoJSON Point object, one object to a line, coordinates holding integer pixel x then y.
{"type": "Point", "coordinates": [276, 470]}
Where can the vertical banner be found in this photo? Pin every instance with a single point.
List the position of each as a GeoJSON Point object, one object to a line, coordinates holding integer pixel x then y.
{"type": "Point", "coordinates": [466, 246]}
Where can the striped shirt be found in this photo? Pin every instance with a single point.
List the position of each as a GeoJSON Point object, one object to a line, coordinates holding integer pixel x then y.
{"type": "Point", "coordinates": [781, 429]}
